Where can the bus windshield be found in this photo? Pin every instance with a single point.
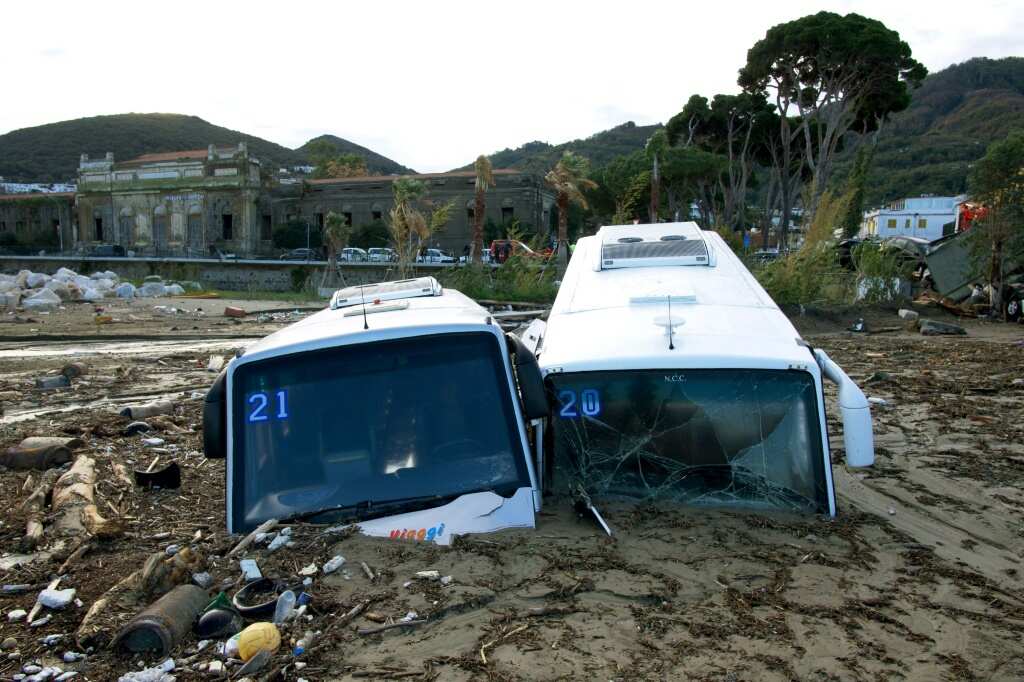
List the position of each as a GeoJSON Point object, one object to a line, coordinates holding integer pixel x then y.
{"type": "Point", "coordinates": [422, 417]}
{"type": "Point", "coordinates": [723, 437]}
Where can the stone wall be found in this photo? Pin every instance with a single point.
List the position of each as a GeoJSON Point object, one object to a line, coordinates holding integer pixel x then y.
{"type": "Point", "coordinates": [244, 275]}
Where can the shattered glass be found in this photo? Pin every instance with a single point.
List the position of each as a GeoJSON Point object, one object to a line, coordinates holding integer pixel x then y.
{"type": "Point", "coordinates": [727, 437]}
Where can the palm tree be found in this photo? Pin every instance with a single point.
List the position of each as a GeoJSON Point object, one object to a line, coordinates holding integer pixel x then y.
{"type": "Point", "coordinates": [568, 178]}
{"type": "Point", "coordinates": [337, 232]}
{"type": "Point", "coordinates": [408, 226]}
{"type": "Point", "coordinates": [484, 181]}
{"type": "Point", "coordinates": [657, 144]}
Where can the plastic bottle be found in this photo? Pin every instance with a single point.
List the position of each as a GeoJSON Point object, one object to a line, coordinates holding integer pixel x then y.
{"type": "Point", "coordinates": [303, 644]}
{"type": "Point", "coordinates": [285, 607]}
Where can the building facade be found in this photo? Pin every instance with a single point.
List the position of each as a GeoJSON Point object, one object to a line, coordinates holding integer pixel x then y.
{"type": "Point", "coordinates": [515, 197]}
{"type": "Point", "coordinates": [189, 203]}
{"type": "Point", "coordinates": [38, 221]}
{"type": "Point", "coordinates": [200, 202]}
{"type": "Point", "coordinates": [923, 217]}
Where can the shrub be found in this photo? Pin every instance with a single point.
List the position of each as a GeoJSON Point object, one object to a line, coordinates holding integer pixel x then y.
{"type": "Point", "coordinates": [518, 279]}
{"type": "Point", "coordinates": [811, 275]}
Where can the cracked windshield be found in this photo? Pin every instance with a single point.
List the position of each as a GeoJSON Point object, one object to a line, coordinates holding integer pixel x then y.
{"type": "Point", "coordinates": [747, 438]}
{"type": "Point", "coordinates": [324, 429]}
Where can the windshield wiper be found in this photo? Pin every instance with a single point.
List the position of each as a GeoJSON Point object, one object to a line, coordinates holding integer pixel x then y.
{"type": "Point", "coordinates": [366, 510]}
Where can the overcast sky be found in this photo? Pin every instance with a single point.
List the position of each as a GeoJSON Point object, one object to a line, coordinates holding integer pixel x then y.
{"type": "Point", "coordinates": [428, 84]}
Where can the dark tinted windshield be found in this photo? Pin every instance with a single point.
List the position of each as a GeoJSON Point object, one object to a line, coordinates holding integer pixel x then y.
{"type": "Point", "coordinates": [747, 438]}
{"type": "Point", "coordinates": [383, 421]}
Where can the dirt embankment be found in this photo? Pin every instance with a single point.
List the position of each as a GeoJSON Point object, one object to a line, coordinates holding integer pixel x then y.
{"type": "Point", "coordinates": [917, 578]}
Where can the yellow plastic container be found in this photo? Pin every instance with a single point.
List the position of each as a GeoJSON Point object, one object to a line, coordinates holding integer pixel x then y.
{"type": "Point", "coordinates": [256, 638]}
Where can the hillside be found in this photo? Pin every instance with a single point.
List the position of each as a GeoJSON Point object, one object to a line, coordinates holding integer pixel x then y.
{"type": "Point", "coordinates": [50, 153]}
{"type": "Point", "coordinates": [600, 148]}
{"type": "Point", "coordinates": [952, 118]}
{"type": "Point", "coordinates": [375, 163]}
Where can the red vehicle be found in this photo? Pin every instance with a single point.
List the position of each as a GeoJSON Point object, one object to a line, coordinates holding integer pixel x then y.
{"type": "Point", "coordinates": [503, 249]}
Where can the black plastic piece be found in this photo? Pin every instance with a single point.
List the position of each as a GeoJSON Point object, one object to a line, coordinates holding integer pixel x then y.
{"type": "Point", "coordinates": [531, 383]}
{"type": "Point", "coordinates": [169, 477]}
{"type": "Point", "coordinates": [215, 432]}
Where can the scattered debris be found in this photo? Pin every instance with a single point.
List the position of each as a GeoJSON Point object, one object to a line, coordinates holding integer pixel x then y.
{"type": "Point", "coordinates": [333, 564]}
{"type": "Point", "coordinates": [231, 311]}
{"type": "Point", "coordinates": [168, 477]}
{"type": "Point", "coordinates": [148, 410]}
{"type": "Point", "coordinates": [936, 328]}
{"type": "Point", "coordinates": [258, 637]}
{"type": "Point", "coordinates": [161, 625]}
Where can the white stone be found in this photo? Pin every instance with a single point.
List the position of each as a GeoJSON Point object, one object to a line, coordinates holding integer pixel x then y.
{"type": "Point", "coordinates": [16, 615]}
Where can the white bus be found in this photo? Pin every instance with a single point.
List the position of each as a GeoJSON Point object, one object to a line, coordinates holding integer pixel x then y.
{"type": "Point", "coordinates": [396, 408]}
{"type": "Point", "coordinates": [676, 377]}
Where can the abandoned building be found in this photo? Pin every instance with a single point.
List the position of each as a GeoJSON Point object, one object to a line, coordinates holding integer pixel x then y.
{"type": "Point", "coordinates": [187, 203]}
{"type": "Point", "coordinates": [44, 221]}
{"type": "Point", "coordinates": [197, 203]}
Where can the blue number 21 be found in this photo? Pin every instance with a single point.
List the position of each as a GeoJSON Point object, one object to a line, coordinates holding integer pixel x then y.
{"type": "Point", "coordinates": [258, 406]}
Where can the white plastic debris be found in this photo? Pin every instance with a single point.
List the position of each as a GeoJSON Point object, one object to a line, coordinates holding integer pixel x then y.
{"type": "Point", "coordinates": [334, 564]}
{"type": "Point", "coordinates": [16, 615]}
{"type": "Point", "coordinates": [412, 615]}
{"type": "Point", "coordinates": [283, 538]}
{"type": "Point", "coordinates": [151, 290]}
{"type": "Point", "coordinates": [428, 575]}
{"type": "Point", "coordinates": [158, 674]}
{"type": "Point", "coordinates": [203, 580]}
{"type": "Point", "coordinates": [50, 640]}
{"type": "Point", "coordinates": [72, 656]}
{"type": "Point", "coordinates": [174, 290]}
{"type": "Point", "coordinates": [42, 300]}
{"type": "Point", "coordinates": [57, 599]}
{"type": "Point", "coordinates": [36, 280]}
{"type": "Point", "coordinates": [446, 580]}
{"type": "Point", "coordinates": [40, 622]}
{"type": "Point", "coordinates": [250, 569]}
{"type": "Point", "coordinates": [308, 570]}
{"type": "Point", "coordinates": [125, 290]}
{"type": "Point", "coordinates": [171, 550]}
{"type": "Point", "coordinates": [152, 442]}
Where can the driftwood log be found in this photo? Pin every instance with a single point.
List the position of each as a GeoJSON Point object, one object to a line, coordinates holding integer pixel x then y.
{"type": "Point", "coordinates": [74, 502]}
{"type": "Point", "coordinates": [35, 504]}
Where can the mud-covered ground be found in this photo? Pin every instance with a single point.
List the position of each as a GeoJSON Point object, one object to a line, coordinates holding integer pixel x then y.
{"type": "Point", "coordinates": [918, 577]}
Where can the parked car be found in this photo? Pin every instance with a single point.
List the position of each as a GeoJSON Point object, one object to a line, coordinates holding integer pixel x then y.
{"type": "Point", "coordinates": [485, 257]}
{"type": "Point", "coordinates": [434, 256]}
{"type": "Point", "coordinates": [300, 254]}
{"type": "Point", "coordinates": [382, 255]}
{"type": "Point", "coordinates": [352, 254]}
{"type": "Point", "coordinates": [108, 250]}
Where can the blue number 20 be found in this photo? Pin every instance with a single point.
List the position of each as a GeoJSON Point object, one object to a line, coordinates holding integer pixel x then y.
{"type": "Point", "coordinates": [589, 402]}
{"type": "Point", "coordinates": [258, 406]}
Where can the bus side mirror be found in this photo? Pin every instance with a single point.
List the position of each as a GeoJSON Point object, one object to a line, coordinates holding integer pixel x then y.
{"type": "Point", "coordinates": [856, 412]}
{"type": "Point", "coordinates": [215, 434]}
{"type": "Point", "coordinates": [531, 383]}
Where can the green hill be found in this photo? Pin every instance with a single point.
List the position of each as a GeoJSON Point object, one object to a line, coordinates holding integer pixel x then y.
{"type": "Point", "coordinates": [375, 163]}
{"type": "Point", "coordinates": [600, 148]}
{"type": "Point", "coordinates": [952, 118]}
{"type": "Point", "coordinates": [50, 153]}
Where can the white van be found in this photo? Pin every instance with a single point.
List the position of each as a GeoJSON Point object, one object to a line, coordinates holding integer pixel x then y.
{"type": "Point", "coordinates": [397, 408]}
{"type": "Point", "coordinates": [676, 377]}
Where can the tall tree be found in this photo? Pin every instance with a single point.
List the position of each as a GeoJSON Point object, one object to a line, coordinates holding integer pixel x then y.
{"type": "Point", "coordinates": [997, 182]}
{"type": "Point", "coordinates": [655, 149]}
{"type": "Point", "coordinates": [337, 233]}
{"type": "Point", "coordinates": [734, 126]}
{"type": "Point", "coordinates": [693, 174]}
{"type": "Point", "coordinates": [484, 181]}
{"type": "Point", "coordinates": [569, 180]}
{"type": "Point", "coordinates": [410, 227]}
{"type": "Point", "coordinates": [832, 72]}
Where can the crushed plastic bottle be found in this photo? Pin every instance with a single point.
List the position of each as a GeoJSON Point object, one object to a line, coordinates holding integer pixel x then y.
{"type": "Point", "coordinates": [285, 607]}
{"type": "Point", "coordinates": [304, 643]}
{"type": "Point", "coordinates": [160, 673]}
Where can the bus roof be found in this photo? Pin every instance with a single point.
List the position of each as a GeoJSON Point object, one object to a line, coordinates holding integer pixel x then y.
{"type": "Point", "coordinates": [619, 299]}
{"type": "Point", "coordinates": [445, 311]}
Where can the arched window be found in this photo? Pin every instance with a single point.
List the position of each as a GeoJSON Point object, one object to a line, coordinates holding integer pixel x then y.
{"type": "Point", "coordinates": [125, 223]}
{"type": "Point", "coordinates": [160, 226]}
{"type": "Point", "coordinates": [195, 225]}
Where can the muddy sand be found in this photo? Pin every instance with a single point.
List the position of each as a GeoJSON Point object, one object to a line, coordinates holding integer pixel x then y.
{"type": "Point", "coordinates": [918, 577]}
